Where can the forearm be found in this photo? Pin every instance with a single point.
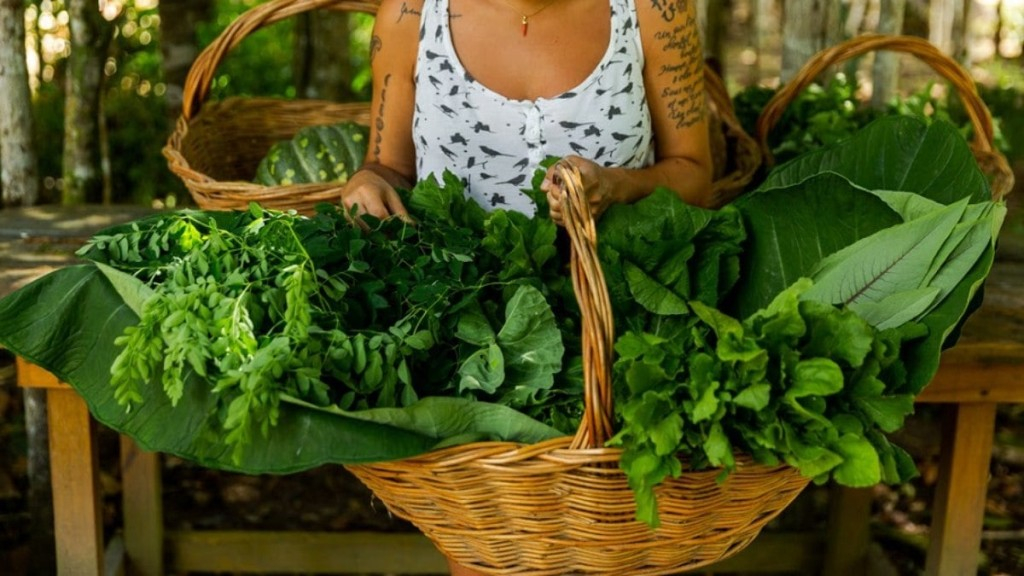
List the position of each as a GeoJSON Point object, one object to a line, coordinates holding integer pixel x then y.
{"type": "Point", "coordinates": [394, 178]}
{"type": "Point", "coordinates": [690, 179]}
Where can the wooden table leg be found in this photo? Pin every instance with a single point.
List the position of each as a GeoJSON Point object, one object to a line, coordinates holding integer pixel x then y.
{"type": "Point", "coordinates": [849, 531]}
{"type": "Point", "coordinates": [74, 467]}
{"type": "Point", "coordinates": [143, 510]}
{"type": "Point", "coordinates": [959, 506]}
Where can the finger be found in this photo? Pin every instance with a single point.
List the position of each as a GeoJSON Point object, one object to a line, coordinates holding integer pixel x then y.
{"type": "Point", "coordinates": [393, 205]}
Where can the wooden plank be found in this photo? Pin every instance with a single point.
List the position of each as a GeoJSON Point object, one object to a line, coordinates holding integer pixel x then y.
{"type": "Point", "coordinates": [303, 552]}
{"type": "Point", "coordinates": [32, 376]}
{"type": "Point", "coordinates": [978, 372]}
{"type": "Point", "coordinates": [959, 507]}
{"type": "Point", "coordinates": [74, 467]}
{"type": "Point", "coordinates": [142, 498]}
{"type": "Point", "coordinates": [404, 553]}
{"type": "Point", "coordinates": [848, 531]}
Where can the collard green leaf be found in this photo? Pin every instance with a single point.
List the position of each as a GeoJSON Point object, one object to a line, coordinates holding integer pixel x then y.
{"type": "Point", "coordinates": [651, 294]}
{"type": "Point", "coordinates": [531, 343]}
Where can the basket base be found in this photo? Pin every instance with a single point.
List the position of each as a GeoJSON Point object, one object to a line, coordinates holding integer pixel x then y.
{"type": "Point", "coordinates": [544, 509]}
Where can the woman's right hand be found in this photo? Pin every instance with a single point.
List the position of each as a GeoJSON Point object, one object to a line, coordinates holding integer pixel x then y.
{"type": "Point", "coordinates": [371, 194]}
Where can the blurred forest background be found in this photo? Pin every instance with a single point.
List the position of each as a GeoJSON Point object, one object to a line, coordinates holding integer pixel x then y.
{"type": "Point", "coordinates": [104, 78]}
{"type": "Point", "coordinates": [90, 90]}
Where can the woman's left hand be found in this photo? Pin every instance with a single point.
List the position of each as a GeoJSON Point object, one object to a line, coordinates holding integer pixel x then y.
{"type": "Point", "coordinates": [597, 181]}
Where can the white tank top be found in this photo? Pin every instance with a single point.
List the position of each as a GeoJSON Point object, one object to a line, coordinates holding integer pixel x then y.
{"type": "Point", "coordinates": [494, 144]}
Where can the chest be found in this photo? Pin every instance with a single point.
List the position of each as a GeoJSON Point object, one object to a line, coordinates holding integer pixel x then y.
{"type": "Point", "coordinates": [558, 48]}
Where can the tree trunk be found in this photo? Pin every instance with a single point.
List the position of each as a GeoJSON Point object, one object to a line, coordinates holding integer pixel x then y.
{"type": "Point", "coordinates": [946, 27]}
{"type": "Point", "coordinates": [716, 18]}
{"type": "Point", "coordinates": [19, 172]}
{"type": "Point", "coordinates": [767, 27]}
{"type": "Point", "coordinates": [323, 69]}
{"type": "Point", "coordinates": [808, 26]}
{"type": "Point", "coordinates": [886, 73]}
{"type": "Point", "coordinates": [179, 45]}
{"type": "Point", "coordinates": [90, 38]}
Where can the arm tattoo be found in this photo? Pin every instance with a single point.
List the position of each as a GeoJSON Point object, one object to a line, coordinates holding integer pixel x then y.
{"type": "Point", "coordinates": [407, 10]}
{"type": "Point", "coordinates": [682, 88]}
{"type": "Point", "coordinates": [379, 124]}
{"type": "Point", "coordinates": [375, 44]}
{"type": "Point", "coordinates": [670, 8]}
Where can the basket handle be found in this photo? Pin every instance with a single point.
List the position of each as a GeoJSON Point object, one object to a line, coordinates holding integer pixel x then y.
{"type": "Point", "coordinates": [598, 331]}
{"type": "Point", "coordinates": [991, 161]}
{"type": "Point", "coordinates": [197, 84]}
{"type": "Point", "coordinates": [747, 153]}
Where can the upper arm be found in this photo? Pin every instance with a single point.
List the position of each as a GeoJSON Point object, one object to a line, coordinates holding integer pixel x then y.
{"type": "Point", "coordinates": [393, 63]}
{"type": "Point", "coordinates": [674, 79]}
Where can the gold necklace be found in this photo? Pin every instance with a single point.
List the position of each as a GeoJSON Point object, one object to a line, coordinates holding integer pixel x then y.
{"type": "Point", "coordinates": [526, 17]}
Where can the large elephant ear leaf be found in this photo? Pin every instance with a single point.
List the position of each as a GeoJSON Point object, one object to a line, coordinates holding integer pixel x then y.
{"type": "Point", "coordinates": [896, 153]}
{"type": "Point", "coordinates": [66, 322]}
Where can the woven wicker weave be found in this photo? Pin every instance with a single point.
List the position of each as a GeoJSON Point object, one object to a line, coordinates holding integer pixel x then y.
{"type": "Point", "coordinates": [991, 161]}
{"type": "Point", "coordinates": [564, 506]}
{"type": "Point", "coordinates": [216, 146]}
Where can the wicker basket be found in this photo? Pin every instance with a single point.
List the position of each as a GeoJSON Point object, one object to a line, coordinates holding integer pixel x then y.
{"type": "Point", "coordinates": [564, 506]}
{"type": "Point", "coordinates": [991, 161]}
{"type": "Point", "coordinates": [216, 146]}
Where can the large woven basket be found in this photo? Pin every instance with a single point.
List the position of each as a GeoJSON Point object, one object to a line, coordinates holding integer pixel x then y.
{"type": "Point", "coordinates": [216, 146]}
{"type": "Point", "coordinates": [991, 161]}
{"type": "Point", "coordinates": [564, 506]}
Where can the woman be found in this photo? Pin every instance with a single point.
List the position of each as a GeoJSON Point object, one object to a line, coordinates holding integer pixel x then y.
{"type": "Point", "coordinates": [615, 87]}
{"type": "Point", "coordinates": [490, 88]}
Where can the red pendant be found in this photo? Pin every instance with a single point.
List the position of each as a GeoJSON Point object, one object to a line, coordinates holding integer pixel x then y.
{"type": "Point", "coordinates": [525, 26]}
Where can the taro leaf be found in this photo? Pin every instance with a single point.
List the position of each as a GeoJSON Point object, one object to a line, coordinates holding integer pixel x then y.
{"type": "Point", "coordinates": [791, 229]}
{"type": "Point", "coordinates": [444, 418]}
{"type": "Point", "coordinates": [896, 153]}
{"type": "Point", "coordinates": [66, 322]}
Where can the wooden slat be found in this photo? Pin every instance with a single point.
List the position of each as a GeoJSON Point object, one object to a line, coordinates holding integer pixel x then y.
{"type": "Point", "coordinates": [848, 531]}
{"type": "Point", "coordinates": [78, 526]}
{"type": "Point", "coordinates": [303, 552]}
{"type": "Point", "coordinates": [375, 552]}
{"type": "Point", "coordinates": [32, 376]}
{"type": "Point", "coordinates": [141, 494]}
{"type": "Point", "coordinates": [980, 372]}
{"type": "Point", "coordinates": [959, 507]}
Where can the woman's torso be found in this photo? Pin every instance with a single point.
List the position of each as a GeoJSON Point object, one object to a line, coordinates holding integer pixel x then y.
{"type": "Point", "coordinates": [494, 142]}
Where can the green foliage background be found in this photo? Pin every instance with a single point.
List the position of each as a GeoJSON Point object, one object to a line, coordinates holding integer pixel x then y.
{"type": "Point", "coordinates": [137, 122]}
